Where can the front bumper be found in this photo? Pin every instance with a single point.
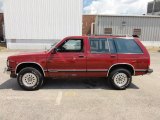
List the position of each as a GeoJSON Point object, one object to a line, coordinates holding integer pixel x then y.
{"type": "Point", "coordinates": [10, 72]}
{"type": "Point", "coordinates": [7, 70]}
{"type": "Point", "coordinates": [149, 71]}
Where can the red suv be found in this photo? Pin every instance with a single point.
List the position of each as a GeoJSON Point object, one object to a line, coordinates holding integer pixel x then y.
{"type": "Point", "coordinates": [117, 58]}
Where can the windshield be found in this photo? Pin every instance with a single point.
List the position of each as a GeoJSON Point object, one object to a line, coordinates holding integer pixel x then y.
{"type": "Point", "coordinates": [52, 46]}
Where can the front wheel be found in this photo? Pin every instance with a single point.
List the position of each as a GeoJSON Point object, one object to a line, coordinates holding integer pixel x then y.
{"type": "Point", "coordinates": [120, 79]}
{"type": "Point", "coordinates": [30, 79]}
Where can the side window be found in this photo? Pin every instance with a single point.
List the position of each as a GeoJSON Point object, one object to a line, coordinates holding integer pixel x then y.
{"type": "Point", "coordinates": [127, 46]}
{"type": "Point", "coordinates": [99, 45]}
{"type": "Point", "coordinates": [71, 46]}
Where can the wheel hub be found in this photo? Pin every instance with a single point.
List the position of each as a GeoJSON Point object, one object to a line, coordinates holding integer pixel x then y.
{"type": "Point", "coordinates": [120, 79]}
{"type": "Point", "coordinates": [29, 79]}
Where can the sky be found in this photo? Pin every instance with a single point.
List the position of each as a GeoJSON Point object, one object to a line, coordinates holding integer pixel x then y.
{"type": "Point", "coordinates": [1, 4]}
{"type": "Point", "coordinates": [126, 7]}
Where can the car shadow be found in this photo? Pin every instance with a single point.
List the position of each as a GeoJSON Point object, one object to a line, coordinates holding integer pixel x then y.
{"type": "Point", "coordinates": [66, 84]}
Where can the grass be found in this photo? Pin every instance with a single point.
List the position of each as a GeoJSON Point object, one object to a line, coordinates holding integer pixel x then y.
{"type": "Point", "coordinates": [2, 46]}
{"type": "Point", "coordinates": [153, 49]}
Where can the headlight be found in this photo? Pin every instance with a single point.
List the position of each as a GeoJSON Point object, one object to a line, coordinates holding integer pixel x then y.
{"type": "Point", "coordinates": [7, 63]}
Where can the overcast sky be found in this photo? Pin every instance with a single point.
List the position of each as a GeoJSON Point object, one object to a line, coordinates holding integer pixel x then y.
{"type": "Point", "coordinates": [132, 7]}
{"type": "Point", "coordinates": [136, 7]}
{"type": "Point", "coordinates": [1, 3]}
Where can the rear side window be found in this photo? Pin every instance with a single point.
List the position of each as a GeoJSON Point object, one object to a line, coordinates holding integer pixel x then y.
{"type": "Point", "coordinates": [127, 46]}
{"type": "Point", "coordinates": [102, 45]}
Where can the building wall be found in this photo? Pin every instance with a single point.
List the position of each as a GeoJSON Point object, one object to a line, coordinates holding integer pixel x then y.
{"type": "Point", "coordinates": [87, 22]}
{"type": "Point", "coordinates": [1, 26]}
{"type": "Point", "coordinates": [48, 20]}
{"type": "Point", "coordinates": [154, 13]}
{"type": "Point", "coordinates": [125, 25]}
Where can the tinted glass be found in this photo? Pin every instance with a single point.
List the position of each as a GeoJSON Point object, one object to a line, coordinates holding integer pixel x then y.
{"type": "Point", "coordinates": [127, 46]}
{"type": "Point", "coordinates": [112, 46]}
{"type": "Point", "coordinates": [99, 45]}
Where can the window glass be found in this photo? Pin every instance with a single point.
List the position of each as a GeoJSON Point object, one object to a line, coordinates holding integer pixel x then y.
{"type": "Point", "coordinates": [99, 45]}
{"type": "Point", "coordinates": [112, 46]}
{"type": "Point", "coordinates": [71, 46]}
{"type": "Point", "coordinates": [127, 46]}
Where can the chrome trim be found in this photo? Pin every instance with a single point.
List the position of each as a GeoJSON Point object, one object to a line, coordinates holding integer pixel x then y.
{"type": "Point", "coordinates": [121, 64]}
{"type": "Point", "coordinates": [30, 62]}
{"type": "Point", "coordinates": [66, 70]}
{"type": "Point", "coordinates": [97, 70]}
{"type": "Point", "coordinates": [77, 70]}
{"type": "Point", "coordinates": [141, 70]}
{"type": "Point", "coordinates": [45, 70]}
{"type": "Point", "coordinates": [131, 53]}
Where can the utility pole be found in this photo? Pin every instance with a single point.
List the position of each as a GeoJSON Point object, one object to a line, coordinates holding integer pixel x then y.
{"type": "Point", "coordinates": [154, 3]}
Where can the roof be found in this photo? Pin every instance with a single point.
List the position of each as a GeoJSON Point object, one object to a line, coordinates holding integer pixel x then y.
{"type": "Point", "coordinates": [144, 16]}
{"type": "Point", "coordinates": [103, 36]}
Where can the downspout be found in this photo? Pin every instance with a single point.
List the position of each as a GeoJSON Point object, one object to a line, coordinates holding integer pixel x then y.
{"type": "Point", "coordinates": [92, 28]}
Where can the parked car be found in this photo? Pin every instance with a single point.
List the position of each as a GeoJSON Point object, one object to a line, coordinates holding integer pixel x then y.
{"type": "Point", "coordinates": [115, 58]}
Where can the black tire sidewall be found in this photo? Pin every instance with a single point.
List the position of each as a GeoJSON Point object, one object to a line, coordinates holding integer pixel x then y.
{"type": "Point", "coordinates": [114, 73]}
{"type": "Point", "coordinates": [33, 71]}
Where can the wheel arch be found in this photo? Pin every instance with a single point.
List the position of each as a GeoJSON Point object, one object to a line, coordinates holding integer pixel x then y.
{"type": "Point", "coordinates": [122, 65]}
{"type": "Point", "coordinates": [22, 65]}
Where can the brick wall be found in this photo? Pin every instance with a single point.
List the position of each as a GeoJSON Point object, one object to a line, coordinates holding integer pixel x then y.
{"type": "Point", "coordinates": [87, 22]}
{"type": "Point", "coordinates": [1, 25]}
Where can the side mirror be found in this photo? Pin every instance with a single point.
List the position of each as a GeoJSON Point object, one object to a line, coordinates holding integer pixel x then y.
{"type": "Point", "coordinates": [54, 51]}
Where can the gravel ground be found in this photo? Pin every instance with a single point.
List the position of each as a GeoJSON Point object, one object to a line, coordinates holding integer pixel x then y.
{"type": "Point", "coordinates": [81, 99]}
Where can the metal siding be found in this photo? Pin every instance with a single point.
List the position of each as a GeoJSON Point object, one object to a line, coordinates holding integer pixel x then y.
{"type": "Point", "coordinates": [150, 26]}
{"type": "Point", "coordinates": [42, 19]}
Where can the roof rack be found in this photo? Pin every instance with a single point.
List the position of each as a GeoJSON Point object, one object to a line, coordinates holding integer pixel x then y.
{"type": "Point", "coordinates": [111, 35]}
{"type": "Point", "coordinates": [118, 35]}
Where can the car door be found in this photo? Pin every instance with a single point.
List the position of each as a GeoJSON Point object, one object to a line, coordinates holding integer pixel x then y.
{"type": "Point", "coordinates": [69, 59]}
{"type": "Point", "coordinates": [101, 55]}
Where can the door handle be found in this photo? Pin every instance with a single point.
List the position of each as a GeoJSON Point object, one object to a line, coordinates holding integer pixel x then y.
{"type": "Point", "coordinates": [134, 61]}
{"type": "Point", "coordinates": [113, 56]}
{"type": "Point", "coordinates": [81, 56]}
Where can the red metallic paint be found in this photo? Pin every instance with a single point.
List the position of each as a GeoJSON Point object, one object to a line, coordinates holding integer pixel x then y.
{"type": "Point", "coordinates": [90, 65]}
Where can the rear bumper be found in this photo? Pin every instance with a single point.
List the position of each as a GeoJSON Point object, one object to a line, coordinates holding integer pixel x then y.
{"type": "Point", "coordinates": [149, 71]}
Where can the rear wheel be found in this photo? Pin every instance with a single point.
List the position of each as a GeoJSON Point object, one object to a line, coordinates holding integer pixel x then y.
{"type": "Point", "coordinates": [120, 79]}
{"type": "Point", "coordinates": [30, 79]}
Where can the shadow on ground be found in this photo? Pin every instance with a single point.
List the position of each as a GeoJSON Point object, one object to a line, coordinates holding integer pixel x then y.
{"type": "Point", "coordinates": [66, 84]}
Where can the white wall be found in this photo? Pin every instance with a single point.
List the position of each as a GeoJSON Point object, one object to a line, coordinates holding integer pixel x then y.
{"type": "Point", "coordinates": [30, 20]}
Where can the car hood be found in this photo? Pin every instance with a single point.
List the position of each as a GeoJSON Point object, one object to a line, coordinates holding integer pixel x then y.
{"type": "Point", "coordinates": [27, 55]}
{"type": "Point", "coordinates": [31, 53]}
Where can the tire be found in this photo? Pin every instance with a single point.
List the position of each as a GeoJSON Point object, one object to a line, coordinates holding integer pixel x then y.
{"type": "Point", "coordinates": [120, 79]}
{"type": "Point", "coordinates": [30, 79]}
